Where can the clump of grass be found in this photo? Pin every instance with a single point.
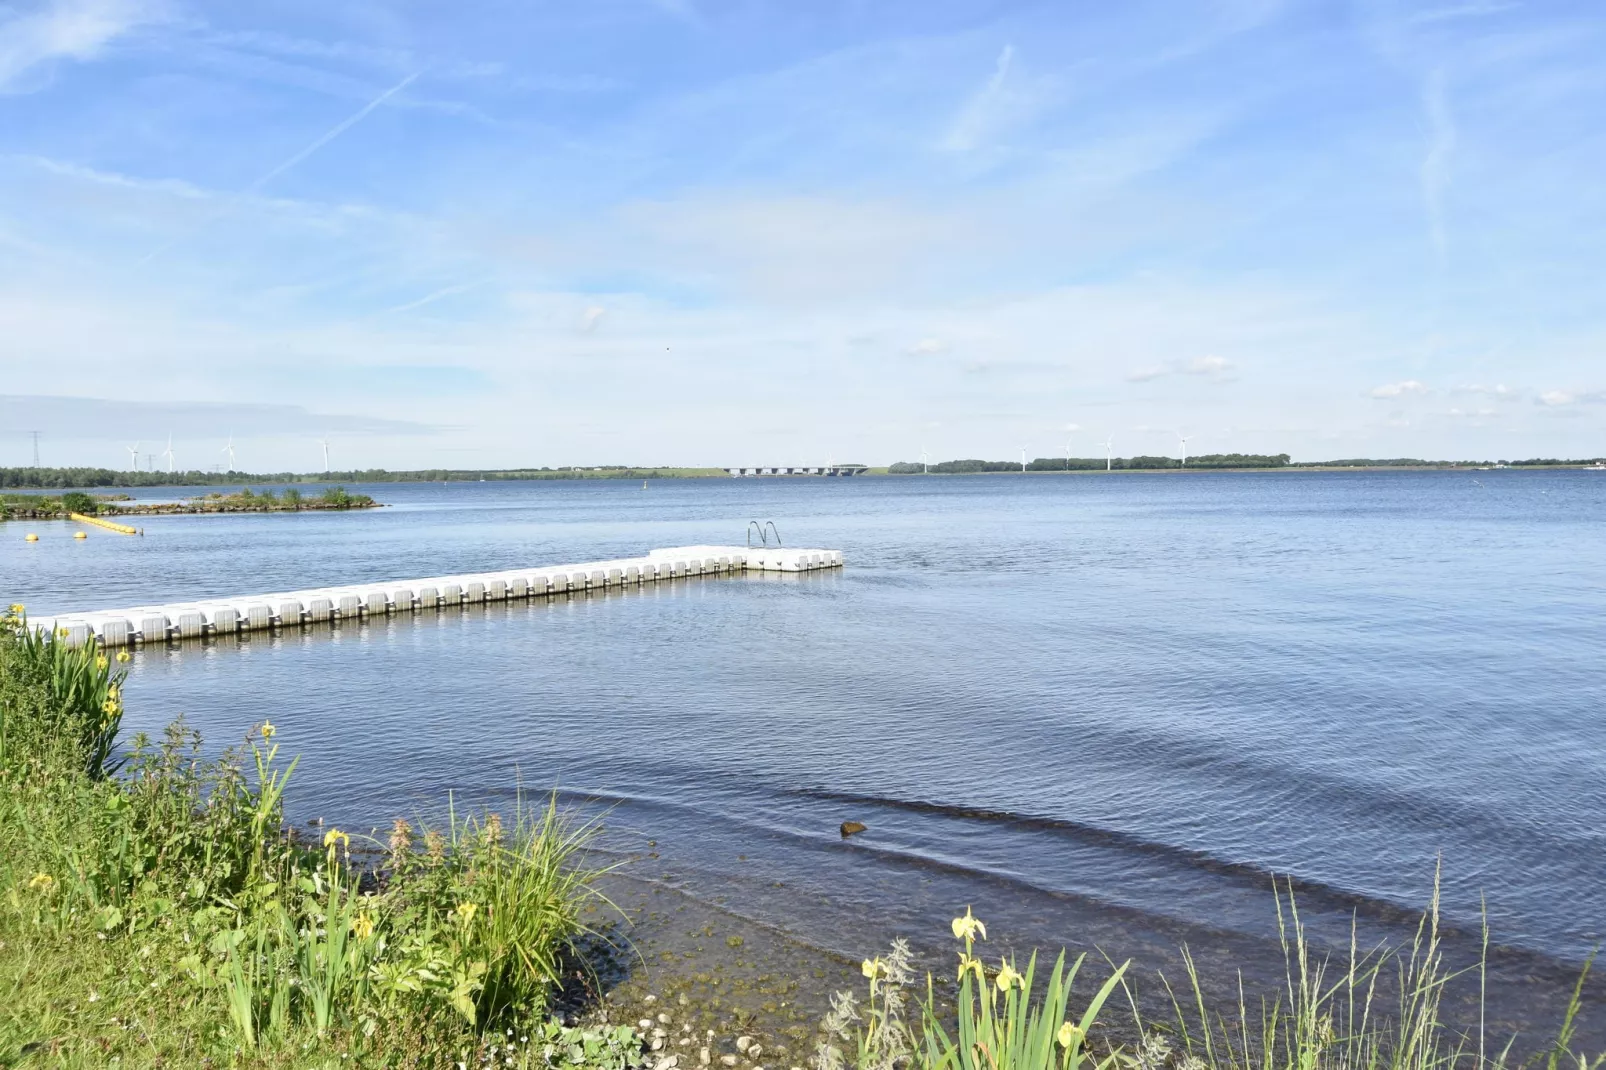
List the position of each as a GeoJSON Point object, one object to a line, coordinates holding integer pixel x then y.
{"type": "Point", "coordinates": [1328, 1016]}
{"type": "Point", "coordinates": [173, 882]}
{"type": "Point", "coordinates": [1332, 1014]}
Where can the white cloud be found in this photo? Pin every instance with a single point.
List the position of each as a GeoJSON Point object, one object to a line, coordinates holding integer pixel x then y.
{"type": "Point", "coordinates": [927, 347]}
{"type": "Point", "coordinates": [1563, 398]}
{"type": "Point", "coordinates": [1400, 389]}
{"type": "Point", "coordinates": [1499, 390]}
{"type": "Point", "coordinates": [1212, 367]}
{"type": "Point", "coordinates": [64, 29]}
{"type": "Point", "coordinates": [592, 318]}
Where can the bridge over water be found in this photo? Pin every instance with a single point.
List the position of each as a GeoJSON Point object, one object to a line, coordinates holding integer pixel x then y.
{"type": "Point", "coordinates": [802, 470]}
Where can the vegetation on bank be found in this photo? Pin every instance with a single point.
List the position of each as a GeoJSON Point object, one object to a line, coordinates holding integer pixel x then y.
{"type": "Point", "coordinates": [49, 507]}
{"type": "Point", "coordinates": [61, 478]}
{"type": "Point", "coordinates": [155, 910]}
{"type": "Point", "coordinates": [1372, 1011]}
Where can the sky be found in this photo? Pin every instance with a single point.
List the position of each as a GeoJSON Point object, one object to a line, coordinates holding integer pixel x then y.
{"type": "Point", "coordinates": [734, 232]}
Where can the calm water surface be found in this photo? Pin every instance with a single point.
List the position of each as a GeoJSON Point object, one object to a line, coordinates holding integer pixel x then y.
{"type": "Point", "coordinates": [1104, 710]}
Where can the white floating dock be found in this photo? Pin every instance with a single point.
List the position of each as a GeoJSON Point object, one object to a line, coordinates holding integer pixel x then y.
{"type": "Point", "coordinates": [292, 609]}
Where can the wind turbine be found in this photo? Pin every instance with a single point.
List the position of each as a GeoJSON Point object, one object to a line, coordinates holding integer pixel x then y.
{"type": "Point", "coordinates": [229, 449]}
{"type": "Point", "coordinates": [324, 442]}
{"type": "Point", "coordinates": [168, 453]}
{"type": "Point", "coordinates": [1184, 440]}
{"type": "Point", "coordinates": [1109, 453]}
{"type": "Point", "coordinates": [1023, 458]}
{"type": "Point", "coordinates": [133, 457]}
{"type": "Point", "coordinates": [925, 462]}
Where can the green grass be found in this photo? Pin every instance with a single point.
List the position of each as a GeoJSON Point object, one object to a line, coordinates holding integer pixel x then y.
{"type": "Point", "coordinates": [155, 909]}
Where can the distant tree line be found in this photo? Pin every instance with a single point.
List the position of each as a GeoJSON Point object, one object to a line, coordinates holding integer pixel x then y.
{"type": "Point", "coordinates": [1207, 460]}
{"type": "Point", "coordinates": [61, 478]}
{"type": "Point", "coordinates": [1091, 464]}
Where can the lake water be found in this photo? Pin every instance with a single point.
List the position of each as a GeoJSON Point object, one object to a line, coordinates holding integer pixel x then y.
{"type": "Point", "coordinates": [1104, 710]}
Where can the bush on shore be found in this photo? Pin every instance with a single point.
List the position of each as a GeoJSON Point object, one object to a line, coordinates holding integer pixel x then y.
{"type": "Point", "coordinates": [155, 910]}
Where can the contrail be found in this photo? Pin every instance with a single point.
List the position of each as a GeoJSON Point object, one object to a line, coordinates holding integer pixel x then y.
{"type": "Point", "coordinates": [338, 129]}
{"type": "Point", "coordinates": [332, 134]}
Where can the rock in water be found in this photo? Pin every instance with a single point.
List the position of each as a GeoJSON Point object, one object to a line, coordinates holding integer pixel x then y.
{"type": "Point", "coordinates": [851, 828]}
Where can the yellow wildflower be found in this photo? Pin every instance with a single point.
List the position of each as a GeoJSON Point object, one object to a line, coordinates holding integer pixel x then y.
{"type": "Point", "coordinates": [123, 657]}
{"type": "Point", "coordinates": [109, 706]}
{"type": "Point", "coordinates": [871, 968]}
{"type": "Point", "coordinates": [362, 926]}
{"type": "Point", "coordinates": [1008, 977]}
{"type": "Point", "coordinates": [465, 912]}
{"type": "Point", "coordinates": [1068, 1034]}
{"type": "Point", "coordinates": [971, 964]}
{"type": "Point", "coordinates": [17, 608]}
{"type": "Point", "coordinates": [268, 729]}
{"type": "Point", "coordinates": [41, 882]}
{"type": "Point", "coordinates": [967, 927]}
{"type": "Point", "coordinates": [101, 662]}
{"type": "Point", "coordinates": [62, 633]}
{"type": "Point", "coordinates": [334, 836]}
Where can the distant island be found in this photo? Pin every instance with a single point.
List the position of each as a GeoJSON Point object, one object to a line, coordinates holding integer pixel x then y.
{"type": "Point", "coordinates": [48, 507]}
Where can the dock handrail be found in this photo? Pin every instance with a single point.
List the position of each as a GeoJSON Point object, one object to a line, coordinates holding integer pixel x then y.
{"type": "Point", "coordinates": [764, 530]}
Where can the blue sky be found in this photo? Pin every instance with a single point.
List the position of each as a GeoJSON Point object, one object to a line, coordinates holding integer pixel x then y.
{"type": "Point", "coordinates": [699, 232]}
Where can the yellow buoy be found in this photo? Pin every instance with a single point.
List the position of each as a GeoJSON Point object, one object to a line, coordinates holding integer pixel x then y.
{"type": "Point", "coordinates": [32, 537]}
{"type": "Point", "coordinates": [79, 535]}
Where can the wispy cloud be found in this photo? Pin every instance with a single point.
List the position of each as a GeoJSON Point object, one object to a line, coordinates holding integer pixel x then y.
{"type": "Point", "coordinates": [1401, 389]}
{"type": "Point", "coordinates": [65, 29]}
{"type": "Point", "coordinates": [926, 347]}
{"type": "Point", "coordinates": [106, 418]}
{"type": "Point", "coordinates": [430, 298]}
{"type": "Point", "coordinates": [1006, 101]}
{"type": "Point", "coordinates": [1434, 173]}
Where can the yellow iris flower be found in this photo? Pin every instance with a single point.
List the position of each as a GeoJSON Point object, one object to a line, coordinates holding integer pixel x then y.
{"type": "Point", "coordinates": [1068, 1034]}
{"type": "Point", "coordinates": [967, 927]}
{"type": "Point", "coordinates": [1008, 978]}
{"type": "Point", "coordinates": [334, 836]}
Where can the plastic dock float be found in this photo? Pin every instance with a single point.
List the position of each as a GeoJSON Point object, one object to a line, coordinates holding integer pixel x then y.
{"type": "Point", "coordinates": [215, 617]}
